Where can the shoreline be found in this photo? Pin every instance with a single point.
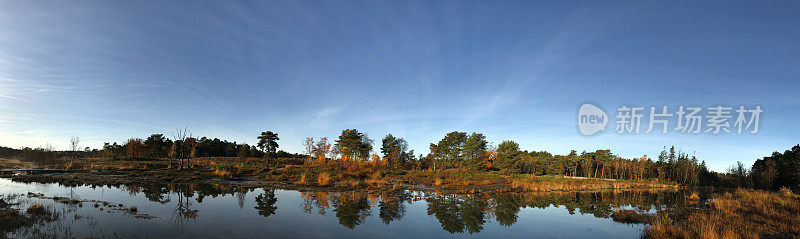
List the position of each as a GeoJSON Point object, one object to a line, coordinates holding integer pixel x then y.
{"type": "Point", "coordinates": [389, 183]}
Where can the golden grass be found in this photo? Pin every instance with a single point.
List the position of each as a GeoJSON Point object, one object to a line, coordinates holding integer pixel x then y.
{"type": "Point", "coordinates": [323, 179]}
{"type": "Point", "coordinates": [556, 183]}
{"type": "Point", "coordinates": [743, 214]}
{"type": "Point", "coordinates": [348, 183]}
{"type": "Point", "coordinates": [15, 164]}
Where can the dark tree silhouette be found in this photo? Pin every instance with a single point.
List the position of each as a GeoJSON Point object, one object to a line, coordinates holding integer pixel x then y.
{"type": "Point", "coordinates": [268, 142]}
{"type": "Point", "coordinates": [265, 203]}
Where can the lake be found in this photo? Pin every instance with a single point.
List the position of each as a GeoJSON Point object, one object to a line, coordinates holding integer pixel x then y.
{"type": "Point", "coordinates": [224, 211]}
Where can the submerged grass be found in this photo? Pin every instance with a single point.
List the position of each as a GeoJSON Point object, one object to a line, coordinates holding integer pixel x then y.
{"type": "Point", "coordinates": [631, 216]}
{"type": "Point", "coordinates": [12, 219]}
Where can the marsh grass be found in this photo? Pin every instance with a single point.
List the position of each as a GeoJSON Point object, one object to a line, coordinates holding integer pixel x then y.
{"type": "Point", "coordinates": [631, 216]}
{"type": "Point", "coordinates": [455, 177]}
{"type": "Point", "coordinates": [337, 173]}
{"type": "Point", "coordinates": [12, 219]}
{"type": "Point", "coordinates": [742, 214]}
{"type": "Point", "coordinates": [560, 183]}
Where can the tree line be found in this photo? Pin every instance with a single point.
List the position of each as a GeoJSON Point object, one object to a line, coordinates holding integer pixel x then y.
{"type": "Point", "coordinates": [455, 150]}
{"type": "Point", "coordinates": [770, 173]}
{"type": "Point", "coordinates": [181, 146]}
{"type": "Point", "coordinates": [472, 151]}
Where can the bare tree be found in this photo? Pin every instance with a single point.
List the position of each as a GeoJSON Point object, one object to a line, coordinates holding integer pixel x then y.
{"type": "Point", "coordinates": [182, 146]}
{"type": "Point", "coordinates": [74, 142]}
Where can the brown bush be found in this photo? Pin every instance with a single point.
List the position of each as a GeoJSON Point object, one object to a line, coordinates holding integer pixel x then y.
{"type": "Point", "coordinates": [323, 179]}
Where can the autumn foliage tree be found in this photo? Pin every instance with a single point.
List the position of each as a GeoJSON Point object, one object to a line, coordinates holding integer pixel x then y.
{"type": "Point", "coordinates": [134, 148]}
{"type": "Point", "coordinates": [317, 151]}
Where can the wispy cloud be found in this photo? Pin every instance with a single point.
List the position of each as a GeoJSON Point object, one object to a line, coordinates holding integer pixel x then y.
{"type": "Point", "coordinates": [576, 31]}
{"type": "Point", "coordinates": [12, 97]}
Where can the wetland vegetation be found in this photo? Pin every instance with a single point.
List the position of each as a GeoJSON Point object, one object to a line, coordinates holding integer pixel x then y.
{"type": "Point", "coordinates": [465, 184]}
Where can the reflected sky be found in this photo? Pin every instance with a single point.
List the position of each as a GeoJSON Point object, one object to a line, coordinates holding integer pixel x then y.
{"type": "Point", "coordinates": [217, 211]}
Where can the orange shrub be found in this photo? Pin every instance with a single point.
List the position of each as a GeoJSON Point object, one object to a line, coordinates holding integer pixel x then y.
{"type": "Point", "coordinates": [323, 179]}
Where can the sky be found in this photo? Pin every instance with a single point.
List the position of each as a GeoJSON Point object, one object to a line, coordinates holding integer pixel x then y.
{"type": "Point", "coordinates": [107, 71]}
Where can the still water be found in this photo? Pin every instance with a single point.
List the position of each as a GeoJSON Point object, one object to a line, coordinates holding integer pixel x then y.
{"type": "Point", "coordinates": [218, 211]}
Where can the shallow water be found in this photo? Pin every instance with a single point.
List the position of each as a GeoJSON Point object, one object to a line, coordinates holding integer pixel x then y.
{"type": "Point", "coordinates": [217, 211]}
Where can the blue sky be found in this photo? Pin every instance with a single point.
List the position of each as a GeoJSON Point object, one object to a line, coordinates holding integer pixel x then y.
{"type": "Point", "coordinates": [110, 70]}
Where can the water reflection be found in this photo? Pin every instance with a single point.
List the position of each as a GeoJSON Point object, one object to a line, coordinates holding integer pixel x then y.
{"type": "Point", "coordinates": [506, 207]}
{"type": "Point", "coordinates": [183, 211]}
{"type": "Point", "coordinates": [392, 206]}
{"type": "Point", "coordinates": [351, 208]}
{"type": "Point", "coordinates": [455, 213]}
{"type": "Point", "coordinates": [459, 212]}
{"type": "Point", "coordinates": [266, 203]}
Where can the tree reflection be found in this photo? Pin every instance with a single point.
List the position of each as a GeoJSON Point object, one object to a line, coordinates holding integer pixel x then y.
{"type": "Point", "coordinates": [265, 203]}
{"type": "Point", "coordinates": [318, 200]}
{"type": "Point", "coordinates": [506, 207]}
{"type": "Point", "coordinates": [183, 212]}
{"type": "Point", "coordinates": [351, 208]}
{"type": "Point", "coordinates": [241, 196]}
{"type": "Point", "coordinates": [458, 213]}
{"type": "Point", "coordinates": [156, 193]}
{"type": "Point", "coordinates": [392, 206]}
